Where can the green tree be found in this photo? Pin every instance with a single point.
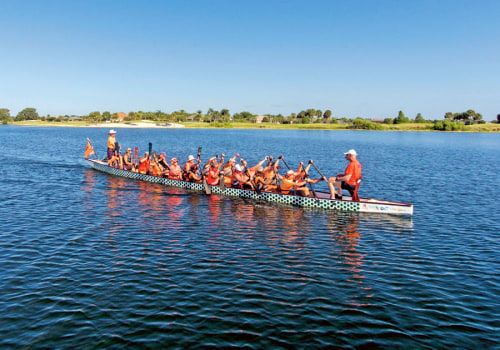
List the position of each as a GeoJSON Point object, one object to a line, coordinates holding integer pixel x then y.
{"type": "Point", "coordinates": [419, 118]}
{"type": "Point", "coordinates": [327, 115]}
{"type": "Point", "coordinates": [449, 115]}
{"type": "Point", "coordinates": [225, 115]}
{"type": "Point", "coordinates": [95, 117]}
{"type": "Point", "coordinates": [27, 114]}
{"type": "Point", "coordinates": [4, 115]}
{"type": "Point", "coordinates": [278, 119]}
{"type": "Point", "coordinates": [401, 118]}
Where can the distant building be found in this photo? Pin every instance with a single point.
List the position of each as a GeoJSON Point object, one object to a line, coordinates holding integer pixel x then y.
{"type": "Point", "coordinates": [260, 118]}
{"type": "Point", "coordinates": [120, 116]}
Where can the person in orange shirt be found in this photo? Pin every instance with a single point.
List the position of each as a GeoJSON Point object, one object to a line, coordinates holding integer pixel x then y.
{"type": "Point", "coordinates": [212, 176]}
{"type": "Point", "coordinates": [349, 179]}
{"type": "Point", "coordinates": [175, 172]}
{"type": "Point", "coordinates": [144, 162]}
{"type": "Point", "coordinates": [262, 183]}
{"type": "Point", "coordinates": [241, 180]}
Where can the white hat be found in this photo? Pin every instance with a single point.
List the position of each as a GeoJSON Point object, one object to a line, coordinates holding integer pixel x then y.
{"type": "Point", "coordinates": [112, 131]}
{"type": "Point", "coordinates": [290, 172]}
{"type": "Point", "coordinates": [351, 151]}
{"type": "Point", "coordinates": [238, 167]}
{"type": "Point", "coordinates": [190, 157]}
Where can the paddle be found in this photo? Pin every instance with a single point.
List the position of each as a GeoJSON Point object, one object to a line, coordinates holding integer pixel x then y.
{"type": "Point", "coordinates": [198, 155]}
{"type": "Point", "coordinates": [117, 152]}
{"type": "Point", "coordinates": [222, 184]}
{"type": "Point", "coordinates": [208, 191]}
{"type": "Point", "coordinates": [150, 148]}
{"type": "Point", "coordinates": [136, 154]}
{"type": "Point", "coordinates": [283, 160]}
{"type": "Point", "coordinates": [310, 184]}
{"type": "Point", "coordinates": [319, 172]}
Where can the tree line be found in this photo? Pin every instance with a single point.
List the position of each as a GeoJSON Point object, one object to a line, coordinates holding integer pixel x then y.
{"type": "Point", "coordinates": [450, 121]}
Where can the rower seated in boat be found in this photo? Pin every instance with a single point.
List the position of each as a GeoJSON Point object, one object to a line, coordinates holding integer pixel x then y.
{"type": "Point", "coordinates": [289, 185]}
{"type": "Point", "coordinates": [263, 184]}
{"type": "Point", "coordinates": [191, 160]}
{"type": "Point", "coordinates": [302, 176]}
{"type": "Point", "coordinates": [115, 161]}
{"type": "Point", "coordinates": [175, 171]}
{"type": "Point", "coordinates": [144, 162]}
{"type": "Point", "coordinates": [213, 175]}
{"type": "Point", "coordinates": [128, 164]}
{"type": "Point", "coordinates": [192, 175]}
{"type": "Point", "coordinates": [241, 180]}
{"type": "Point", "coordinates": [227, 170]}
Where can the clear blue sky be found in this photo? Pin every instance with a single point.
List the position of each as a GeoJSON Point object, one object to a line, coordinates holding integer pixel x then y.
{"type": "Point", "coordinates": [358, 58]}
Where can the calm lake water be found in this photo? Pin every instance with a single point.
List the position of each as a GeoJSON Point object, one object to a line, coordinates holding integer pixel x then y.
{"type": "Point", "coordinates": [93, 261]}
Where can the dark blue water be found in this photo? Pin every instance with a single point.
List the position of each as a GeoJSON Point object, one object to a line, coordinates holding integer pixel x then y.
{"type": "Point", "coordinates": [93, 261]}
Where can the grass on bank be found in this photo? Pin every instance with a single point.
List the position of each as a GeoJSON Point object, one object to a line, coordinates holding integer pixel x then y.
{"type": "Point", "coordinates": [488, 127]}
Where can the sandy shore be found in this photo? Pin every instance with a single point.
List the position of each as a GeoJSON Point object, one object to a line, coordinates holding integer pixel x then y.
{"type": "Point", "coordinates": [135, 125]}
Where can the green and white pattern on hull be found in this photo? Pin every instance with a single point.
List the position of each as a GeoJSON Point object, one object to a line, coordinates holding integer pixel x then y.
{"type": "Point", "coordinates": [323, 202]}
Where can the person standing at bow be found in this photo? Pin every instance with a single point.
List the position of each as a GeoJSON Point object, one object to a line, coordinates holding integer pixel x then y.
{"type": "Point", "coordinates": [111, 144]}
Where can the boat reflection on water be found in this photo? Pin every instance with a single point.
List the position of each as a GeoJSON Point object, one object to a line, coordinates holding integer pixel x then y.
{"type": "Point", "coordinates": [344, 230]}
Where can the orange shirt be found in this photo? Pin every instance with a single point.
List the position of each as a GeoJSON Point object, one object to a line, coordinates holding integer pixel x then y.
{"type": "Point", "coordinates": [287, 184]}
{"type": "Point", "coordinates": [213, 176]}
{"type": "Point", "coordinates": [143, 165]}
{"type": "Point", "coordinates": [353, 168]}
{"type": "Point", "coordinates": [175, 172]}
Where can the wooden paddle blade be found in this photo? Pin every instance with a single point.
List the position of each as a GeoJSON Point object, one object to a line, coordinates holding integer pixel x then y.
{"type": "Point", "coordinates": [208, 191]}
{"type": "Point", "coordinates": [222, 184]}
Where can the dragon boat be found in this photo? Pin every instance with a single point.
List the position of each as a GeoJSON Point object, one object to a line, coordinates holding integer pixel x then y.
{"type": "Point", "coordinates": [321, 200]}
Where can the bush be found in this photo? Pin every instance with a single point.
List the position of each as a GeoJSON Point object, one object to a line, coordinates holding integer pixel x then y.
{"type": "Point", "coordinates": [359, 123]}
{"type": "Point", "coordinates": [221, 125]}
{"type": "Point", "coordinates": [448, 125]}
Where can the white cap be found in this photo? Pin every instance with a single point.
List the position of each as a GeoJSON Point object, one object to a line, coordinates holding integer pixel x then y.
{"type": "Point", "coordinates": [190, 157]}
{"type": "Point", "coordinates": [290, 172]}
{"type": "Point", "coordinates": [238, 167]}
{"type": "Point", "coordinates": [112, 131]}
{"type": "Point", "coordinates": [351, 151]}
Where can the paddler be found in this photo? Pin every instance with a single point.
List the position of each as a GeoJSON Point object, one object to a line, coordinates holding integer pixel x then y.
{"type": "Point", "coordinates": [175, 172]}
{"type": "Point", "coordinates": [143, 167]}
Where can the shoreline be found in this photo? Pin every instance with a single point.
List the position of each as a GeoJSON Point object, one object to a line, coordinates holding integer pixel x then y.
{"type": "Point", "coordinates": [480, 128]}
{"type": "Point", "coordinates": [136, 125]}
